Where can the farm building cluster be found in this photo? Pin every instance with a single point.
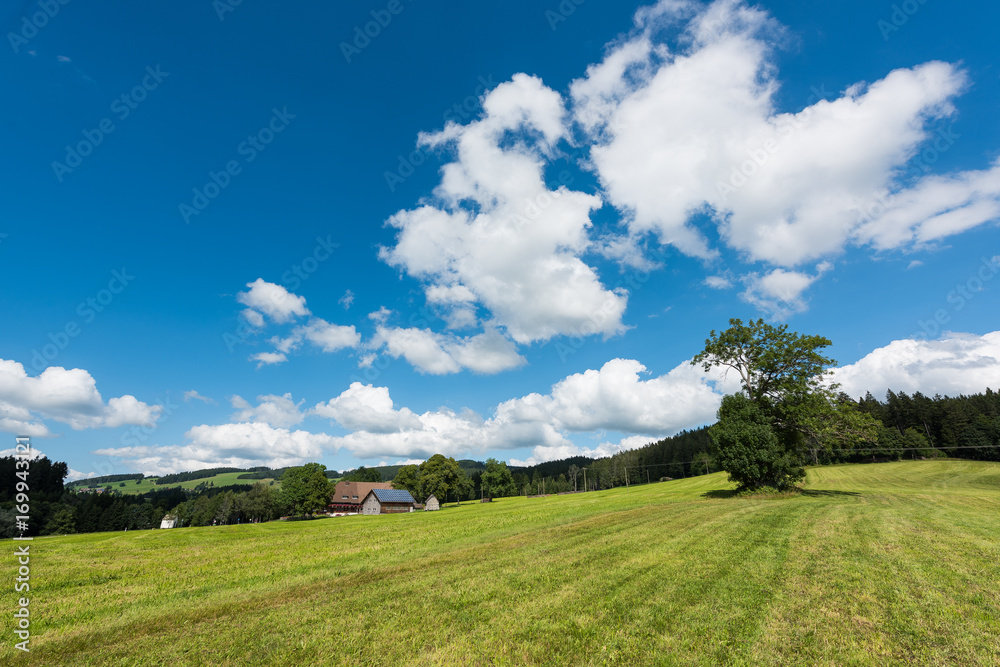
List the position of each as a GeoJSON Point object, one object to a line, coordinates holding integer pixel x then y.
{"type": "Point", "coordinates": [375, 498]}
{"type": "Point", "coordinates": [348, 496]}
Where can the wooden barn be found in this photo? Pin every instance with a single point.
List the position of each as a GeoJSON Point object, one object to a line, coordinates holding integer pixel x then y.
{"type": "Point", "coordinates": [431, 504]}
{"type": "Point", "coordinates": [387, 501]}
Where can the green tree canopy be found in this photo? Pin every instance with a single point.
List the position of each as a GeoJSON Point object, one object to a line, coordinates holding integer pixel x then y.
{"type": "Point", "coordinates": [441, 476]}
{"type": "Point", "coordinates": [261, 503]}
{"type": "Point", "coordinates": [772, 363]}
{"type": "Point", "coordinates": [363, 474]}
{"type": "Point", "coordinates": [408, 479]}
{"type": "Point", "coordinates": [750, 450]}
{"type": "Point", "coordinates": [787, 408]}
{"type": "Point", "coordinates": [497, 480]}
{"type": "Point", "coordinates": [306, 489]}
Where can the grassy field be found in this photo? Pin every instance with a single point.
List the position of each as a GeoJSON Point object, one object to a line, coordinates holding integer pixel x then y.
{"type": "Point", "coordinates": [882, 564]}
{"type": "Point", "coordinates": [148, 484]}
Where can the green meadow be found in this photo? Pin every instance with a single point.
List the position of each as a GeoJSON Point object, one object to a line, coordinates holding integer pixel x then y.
{"type": "Point", "coordinates": [881, 564]}
{"type": "Point", "coordinates": [149, 483]}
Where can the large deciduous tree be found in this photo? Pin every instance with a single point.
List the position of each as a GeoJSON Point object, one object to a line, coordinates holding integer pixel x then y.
{"type": "Point", "coordinates": [306, 489]}
{"type": "Point", "coordinates": [787, 410]}
{"type": "Point", "coordinates": [408, 479]}
{"type": "Point", "coordinates": [497, 480]}
{"type": "Point", "coordinates": [441, 476]}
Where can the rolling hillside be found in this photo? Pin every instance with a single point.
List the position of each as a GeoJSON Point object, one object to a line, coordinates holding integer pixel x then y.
{"type": "Point", "coordinates": [880, 564]}
{"type": "Point", "coordinates": [149, 483]}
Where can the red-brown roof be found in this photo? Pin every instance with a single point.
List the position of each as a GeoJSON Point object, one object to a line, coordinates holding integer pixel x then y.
{"type": "Point", "coordinates": [355, 491]}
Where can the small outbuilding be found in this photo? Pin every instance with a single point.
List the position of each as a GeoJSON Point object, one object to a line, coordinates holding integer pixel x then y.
{"type": "Point", "coordinates": [169, 521]}
{"type": "Point", "coordinates": [387, 501]}
{"type": "Point", "coordinates": [431, 504]}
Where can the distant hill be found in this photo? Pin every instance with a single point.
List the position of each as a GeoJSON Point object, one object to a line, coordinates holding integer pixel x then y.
{"type": "Point", "coordinates": [139, 484]}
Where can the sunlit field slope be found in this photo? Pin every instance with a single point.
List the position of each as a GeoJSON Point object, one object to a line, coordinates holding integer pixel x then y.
{"type": "Point", "coordinates": [221, 480]}
{"type": "Point", "coordinates": [882, 564]}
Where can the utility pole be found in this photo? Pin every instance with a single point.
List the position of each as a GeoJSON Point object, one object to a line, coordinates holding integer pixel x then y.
{"type": "Point", "coordinates": [626, 477]}
{"type": "Point", "coordinates": [647, 475]}
{"type": "Point", "coordinates": [584, 479]}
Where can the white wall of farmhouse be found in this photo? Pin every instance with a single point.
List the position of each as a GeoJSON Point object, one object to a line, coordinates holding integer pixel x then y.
{"type": "Point", "coordinates": [371, 505]}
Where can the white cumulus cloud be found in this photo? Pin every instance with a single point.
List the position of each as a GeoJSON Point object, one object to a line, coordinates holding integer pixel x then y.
{"type": "Point", "coordinates": [440, 354]}
{"type": "Point", "coordinates": [616, 398]}
{"type": "Point", "coordinates": [613, 398]}
{"type": "Point", "coordinates": [280, 411]}
{"type": "Point", "coordinates": [497, 235]}
{"type": "Point", "coordinates": [367, 408]}
{"type": "Point", "coordinates": [272, 300]}
{"type": "Point", "coordinates": [541, 454]}
{"type": "Point", "coordinates": [687, 132]}
{"type": "Point", "coordinates": [329, 337]}
{"type": "Point", "coordinates": [68, 396]}
{"type": "Point", "coordinates": [779, 292]}
{"type": "Point", "coordinates": [268, 358]}
{"type": "Point", "coordinates": [242, 445]}
{"type": "Point", "coordinates": [193, 395]}
{"type": "Point", "coordinates": [957, 363]}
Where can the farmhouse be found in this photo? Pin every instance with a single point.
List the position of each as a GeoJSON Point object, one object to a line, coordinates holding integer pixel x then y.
{"type": "Point", "coordinates": [348, 496]}
{"type": "Point", "coordinates": [431, 504]}
{"type": "Point", "coordinates": [387, 501]}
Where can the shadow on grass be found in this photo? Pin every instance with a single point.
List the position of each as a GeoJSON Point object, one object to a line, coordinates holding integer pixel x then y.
{"type": "Point", "coordinates": [720, 493]}
{"type": "Point", "coordinates": [815, 493]}
{"type": "Point", "coordinates": [824, 494]}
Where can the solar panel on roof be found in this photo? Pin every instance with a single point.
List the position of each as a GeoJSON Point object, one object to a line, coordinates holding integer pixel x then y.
{"type": "Point", "coordinates": [393, 496]}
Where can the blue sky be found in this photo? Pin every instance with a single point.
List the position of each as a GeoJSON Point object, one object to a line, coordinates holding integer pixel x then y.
{"type": "Point", "coordinates": [254, 234]}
